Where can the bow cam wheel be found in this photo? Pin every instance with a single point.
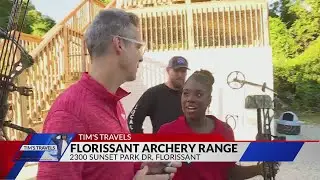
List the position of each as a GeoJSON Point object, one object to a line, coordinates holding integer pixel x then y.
{"type": "Point", "coordinates": [236, 80]}
{"type": "Point", "coordinates": [234, 119]}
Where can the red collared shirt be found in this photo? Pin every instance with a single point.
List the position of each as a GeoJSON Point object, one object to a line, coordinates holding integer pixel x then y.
{"type": "Point", "coordinates": [201, 170]}
{"type": "Point", "coordinates": [86, 107]}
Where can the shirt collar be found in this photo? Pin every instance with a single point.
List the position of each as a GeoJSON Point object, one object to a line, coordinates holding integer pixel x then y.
{"type": "Point", "coordinates": [216, 130]}
{"type": "Point", "coordinates": [98, 89]}
{"type": "Point", "coordinates": [183, 120]}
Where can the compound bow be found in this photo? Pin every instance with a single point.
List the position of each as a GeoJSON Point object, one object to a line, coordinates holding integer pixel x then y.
{"type": "Point", "coordinates": [237, 80]}
{"type": "Point", "coordinates": [10, 69]}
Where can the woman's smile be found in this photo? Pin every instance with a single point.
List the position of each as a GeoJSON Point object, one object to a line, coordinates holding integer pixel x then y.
{"type": "Point", "coordinates": [191, 108]}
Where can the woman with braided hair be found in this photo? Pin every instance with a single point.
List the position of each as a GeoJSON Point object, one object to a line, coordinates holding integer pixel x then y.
{"type": "Point", "coordinates": [195, 99]}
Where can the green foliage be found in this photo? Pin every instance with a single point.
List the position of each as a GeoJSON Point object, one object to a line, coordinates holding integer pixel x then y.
{"type": "Point", "coordinates": [307, 27]}
{"type": "Point", "coordinates": [106, 1]}
{"type": "Point", "coordinates": [300, 91]}
{"type": "Point", "coordinates": [34, 23]}
{"type": "Point", "coordinates": [38, 23]}
{"type": "Point", "coordinates": [295, 40]}
{"type": "Point", "coordinates": [5, 9]}
{"type": "Point", "coordinates": [307, 96]}
{"type": "Point", "coordinates": [286, 46]}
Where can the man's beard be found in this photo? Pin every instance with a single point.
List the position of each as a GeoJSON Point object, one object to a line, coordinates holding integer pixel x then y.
{"type": "Point", "coordinates": [177, 85]}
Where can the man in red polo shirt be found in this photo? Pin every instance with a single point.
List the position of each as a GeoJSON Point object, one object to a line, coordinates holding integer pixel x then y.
{"type": "Point", "coordinates": [92, 105]}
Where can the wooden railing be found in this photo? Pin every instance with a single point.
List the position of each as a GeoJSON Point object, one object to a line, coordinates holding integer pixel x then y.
{"type": "Point", "coordinates": [205, 25]}
{"type": "Point", "coordinates": [82, 16]}
{"type": "Point", "coordinates": [58, 62]}
{"type": "Point", "coordinates": [29, 42]}
{"type": "Point", "coordinates": [130, 4]}
{"type": "Point", "coordinates": [152, 72]}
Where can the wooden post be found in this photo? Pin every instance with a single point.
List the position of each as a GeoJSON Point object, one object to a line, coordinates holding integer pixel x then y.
{"type": "Point", "coordinates": [83, 55]}
{"type": "Point", "coordinates": [91, 11]}
{"type": "Point", "coordinates": [21, 118]}
{"type": "Point", "coordinates": [19, 103]}
{"type": "Point", "coordinates": [119, 3]}
{"type": "Point", "coordinates": [22, 104]}
{"type": "Point", "coordinates": [190, 32]}
{"type": "Point", "coordinates": [266, 24]}
{"type": "Point", "coordinates": [65, 54]}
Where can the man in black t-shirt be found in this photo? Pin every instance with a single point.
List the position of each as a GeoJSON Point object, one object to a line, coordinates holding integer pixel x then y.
{"type": "Point", "coordinates": [162, 103]}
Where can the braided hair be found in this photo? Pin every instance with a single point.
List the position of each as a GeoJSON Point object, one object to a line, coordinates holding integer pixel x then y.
{"type": "Point", "coordinates": [204, 77]}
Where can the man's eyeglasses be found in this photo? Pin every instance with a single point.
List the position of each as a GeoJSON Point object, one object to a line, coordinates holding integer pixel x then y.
{"type": "Point", "coordinates": [142, 49]}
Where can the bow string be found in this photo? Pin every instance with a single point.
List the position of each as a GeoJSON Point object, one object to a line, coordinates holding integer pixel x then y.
{"type": "Point", "coordinates": [10, 69]}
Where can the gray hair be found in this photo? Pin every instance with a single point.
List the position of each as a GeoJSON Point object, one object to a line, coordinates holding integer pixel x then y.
{"type": "Point", "coordinates": [108, 23]}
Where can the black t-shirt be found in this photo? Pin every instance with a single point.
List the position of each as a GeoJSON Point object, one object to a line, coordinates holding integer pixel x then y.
{"type": "Point", "coordinates": [160, 103]}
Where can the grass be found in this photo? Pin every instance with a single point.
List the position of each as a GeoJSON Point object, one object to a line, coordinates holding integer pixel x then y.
{"type": "Point", "coordinates": [313, 118]}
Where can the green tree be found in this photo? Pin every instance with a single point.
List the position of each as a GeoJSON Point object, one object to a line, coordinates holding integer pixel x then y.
{"type": "Point", "coordinates": [38, 24]}
{"type": "Point", "coordinates": [281, 9]}
{"type": "Point", "coordinates": [283, 43]}
{"type": "Point", "coordinates": [295, 41]}
{"type": "Point", "coordinates": [34, 22]}
{"type": "Point", "coordinates": [5, 9]}
{"type": "Point", "coordinates": [286, 15]}
{"type": "Point", "coordinates": [106, 1]}
{"type": "Point", "coordinates": [307, 27]}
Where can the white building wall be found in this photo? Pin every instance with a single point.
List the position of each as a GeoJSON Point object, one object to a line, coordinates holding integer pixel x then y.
{"type": "Point", "coordinates": [255, 63]}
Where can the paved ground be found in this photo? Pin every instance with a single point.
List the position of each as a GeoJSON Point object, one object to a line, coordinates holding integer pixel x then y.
{"type": "Point", "coordinates": [300, 170]}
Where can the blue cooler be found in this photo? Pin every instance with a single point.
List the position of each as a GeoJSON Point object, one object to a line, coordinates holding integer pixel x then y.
{"type": "Point", "coordinates": [289, 126]}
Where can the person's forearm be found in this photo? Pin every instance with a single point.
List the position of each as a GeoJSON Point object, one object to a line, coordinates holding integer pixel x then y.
{"type": "Point", "coordinates": [245, 172]}
{"type": "Point", "coordinates": [136, 122]}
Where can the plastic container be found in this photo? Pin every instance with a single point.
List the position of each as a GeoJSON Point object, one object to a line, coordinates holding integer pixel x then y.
{"type": "Point", "coordinates": [289, 126]}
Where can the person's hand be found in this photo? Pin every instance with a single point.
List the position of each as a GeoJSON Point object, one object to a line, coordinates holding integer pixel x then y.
{"type": "Point", "coordinates": [271, 168]}
{"type": "Point", "coordinates": [143, 175]}
{"type": "Point", "coordinates": [162, 167]}
{"type": "Point", "coordinates": [262, 137]}
{"type": "Point", "coordinates": [2, 138]}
